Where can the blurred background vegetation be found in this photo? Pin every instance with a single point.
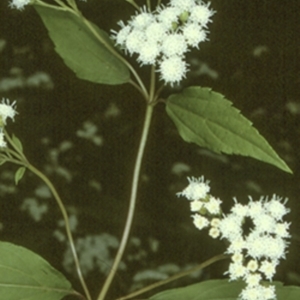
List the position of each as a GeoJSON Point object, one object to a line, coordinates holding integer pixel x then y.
{"type": "Point", "coordinates": [84, 136]}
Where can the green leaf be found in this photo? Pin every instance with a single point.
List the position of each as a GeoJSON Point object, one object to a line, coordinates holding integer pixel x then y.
{"type": "Point", "coordinates": [19, 174]}
{"type": "Point", "coordinates": [206, 118]}
{"type": "Point", "coordinates": [80, 49]}
{"type": "Point", "coordinates": [25, 275]}
{"type": "Point", "coordinates": [17, 143]}
{"type": "Point", "coordinates": [221, 289]}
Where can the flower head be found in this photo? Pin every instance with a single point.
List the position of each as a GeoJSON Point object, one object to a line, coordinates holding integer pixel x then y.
{"type": "Point", "coordinates": [255, 253]}
{"type": "Point", "coordinates": [173, 69]}
{"type": "Point", "coordinates": [164, 36]}
{"type": "Point", "coordinates": [19, 4]}
{"type": "Point", "coordinates": [7, 110]}
{"type": "Point", "coordinates": [197, 189]}
{"type": "Point", "coordinates": [200, 222]}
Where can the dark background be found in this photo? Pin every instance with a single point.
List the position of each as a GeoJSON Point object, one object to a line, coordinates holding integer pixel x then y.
{"type": "Point", "coordinates": [254, 54]}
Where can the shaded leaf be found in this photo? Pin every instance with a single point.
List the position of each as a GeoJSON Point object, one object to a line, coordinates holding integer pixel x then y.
{"type": "Point", "coordinates": [206, 118]}
{"type": "Point", "coordinates": [25, 275]}
{"type": "Point", "coordinates": [19, 174]}
{"type": "Point", "coordinates": [17, 143]}
{"type": "Point", "coordinates": [221, 289]}
{"type": "Point", "coordinates": [79, 48]}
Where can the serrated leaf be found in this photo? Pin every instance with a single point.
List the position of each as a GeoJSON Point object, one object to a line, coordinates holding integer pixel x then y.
{"type": "Point", "coordinates": [19, 174]}
{"type": "Point", "coordinates": [79, 48]}
{"type": "Point", "coordinates": [208, 119]}
{"type": "Point", "coordinates": [17, 143]}
{"type": "Point", "coordinates": [221, 290]}
{"type": "Point", "coordinates": [25, 275]}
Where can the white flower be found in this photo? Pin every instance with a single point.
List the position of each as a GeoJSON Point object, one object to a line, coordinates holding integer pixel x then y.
{"type": "Point", "coordinates": [183, 4]}
{"type": "Point", "coordinates": [265, 246]}
{"type": "Point", "coordinates": [201, 14]}
{"type": "Point", "coordinates": [237, 257]}
{"type": "Point", "coordinates": [258, 293]}
{"type": "Point", "coordinates": [236, 270]}
{"type": "Point", "coordinates": [214, 232]}
{"type": "Point", "coordinates": [196, 205]}
{"type": "Point", "coordinates": [268, 268]}
{"type": "Point", "coordinates": [194, 34]}
{"type": "Point", "coordinates": [142, 20]}
{"type": "Point", "coordinates": [237, 245]}
{"type": "Point", "coordinates": [167, 16]}
{"type": "Point", "coordinates": [230, 227]}
{"type": "Point", "coordinates": [252, 293]}
{"type": "Point", "coordinates": [162, 37]}
{"type": "Point", "coordinates": [148, 53]}
{"type": "Point", "coordinates": [19, 4]}
{"type": "Point", "coordinates": [256, 245]}
{"type": "Point", "coordinates": [255, 208]}
{"type": "Point", "coordinates": [122, 35]}
{"type": "Point", "coordinates": [2, 141]}
{"type": "Point", "coordinates": [174, 44]}
{"type": "Point", "coordinates": [156, 32]}
{"type": "Point", "coordinates": [281, 230]}
{"type": "Point", "coordinates": [213, 206]}
{"type": "Point", "coordinates": [200, 222]}
{"type": "Point", "coordinates": [239, 209]}
{"type": "Point", "coordinates": [264, 223]}
{"type": "Point", "coordinates": [253, 280]}
{"type": "Point", "coordinates": [7, 110]}
{"type": "Point", "coordinates": [197, 189]}
{"type": "Point", "coordinates": [276, 247]}
{"type": "Point", "coordinates": [252, 265]}
{"type": "Point", "coordinates": [135, 41]}
{"type": "Point", "coordinates": [173, 69]}
{"type": "Point", "coordinates": [215, 222]}
{"type": "Point", "coordinates": [268, 292]}
{"type": "Point", "coordinates": [276, 208]}
{"type": "Point", "coordinates": [254, 255]}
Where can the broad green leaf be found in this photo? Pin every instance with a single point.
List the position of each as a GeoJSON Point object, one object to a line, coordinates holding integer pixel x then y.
{"type": "Point", "coordinates": [80, 49]}
{"type": "Point", "coordinates": [17, 143]}
{"type": "Point", "coordinates": [19, 174]}
{"type": "Point", "coordinates": [206, 118]}
{"type": "Point", "coordinates": [25, 275]}
{"type": "Point", "coordinates": [222, 290]}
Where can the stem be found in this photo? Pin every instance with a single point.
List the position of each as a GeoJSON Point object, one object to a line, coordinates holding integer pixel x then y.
{"type": "Point", "coordinates": [132, 203]}
{"type": "Point", "coordinates": [135, 85]}
{"type": "Point", "coordinates": [134, 4]}
{"type": "Point", "coordinates": [17, 153]}
{"type": "Point", "coordinates": [66, 220]}
{"type": "Point", "coordinates": [152, 84]}
{"type": "Point", "coordinates": [175, 277]}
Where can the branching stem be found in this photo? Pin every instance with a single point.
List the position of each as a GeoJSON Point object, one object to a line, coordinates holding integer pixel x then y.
{"type": "Point", "coordinates": [132, 203]}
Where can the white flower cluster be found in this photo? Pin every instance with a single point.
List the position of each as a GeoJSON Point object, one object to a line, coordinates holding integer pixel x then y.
{"type": "Point", "coordinates": [164, 36]}
{"type": "Point", "coordinates": [19, 4]}
{"type": "Point", "coordinates": [256, 255]}
{"type": "Point", "coordinates": [7, 110]}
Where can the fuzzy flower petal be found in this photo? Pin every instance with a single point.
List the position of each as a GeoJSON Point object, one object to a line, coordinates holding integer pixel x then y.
{"type": "Point", "coordinates": [19, 4]}
{"type": "Point", "coordinates": [7, 110]}
{"type": "Point", "coordinates": [197, 189]}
